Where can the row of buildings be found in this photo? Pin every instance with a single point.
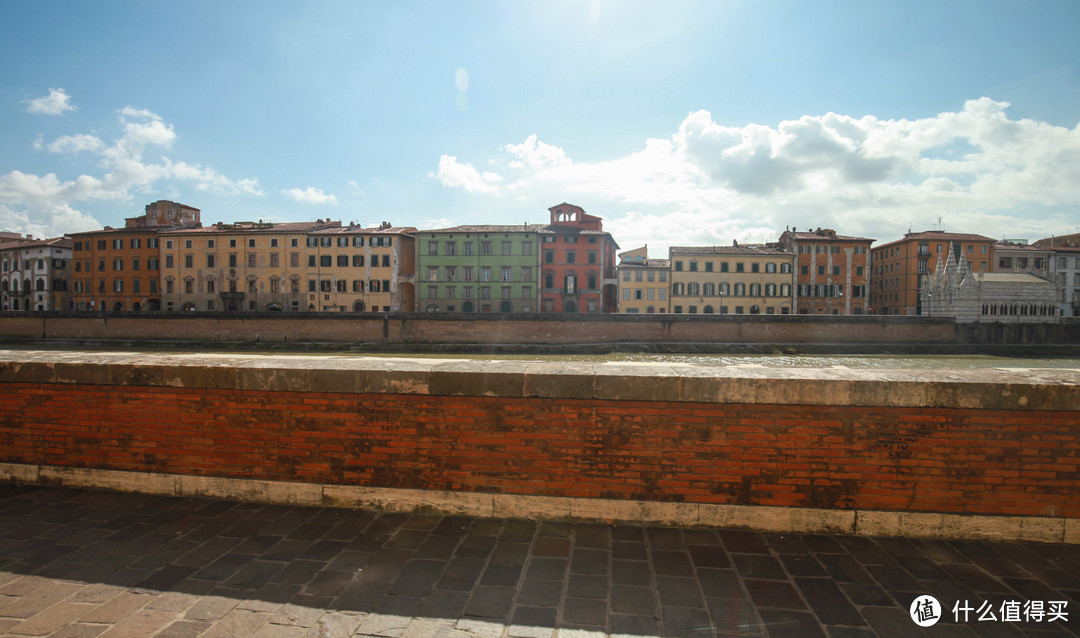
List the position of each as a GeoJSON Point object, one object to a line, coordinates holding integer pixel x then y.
{"type": "Point", "coordinates": [166, 260]}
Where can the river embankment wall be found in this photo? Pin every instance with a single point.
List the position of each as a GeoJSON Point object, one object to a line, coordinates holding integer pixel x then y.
{"type": "Point", "coordinates": [424, 329]}
{"type": "Point", "coordinates": [970, 454]}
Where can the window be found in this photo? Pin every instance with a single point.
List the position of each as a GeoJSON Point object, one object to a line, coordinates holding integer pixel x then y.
{"type": "Point", "coordinates": [432, 292]}
{"type": "Point", "coordinates": [232, 261]}
{"type": "Point", "coordinates": [325, 261]}
{"type": "Point", "coordinates": [433, 248]}
{"type": "Point", "coordinates": [343, 260]}
{"type": "Point", "coordinates": [739, 267]}
{"type": "Point", "coordinates": [549, 256]}
{"type": "Point", "coordinates": [118, 244]}
{"type": "Point", "coordinates": [467, 273]}
{"type": "Point", "coordinates": [342, 242]}
{"type": "Point", "coordinates": [451, 248]}
{"type": "Point", "coordinates": [678, 266]}
{"type": "Point", "coordinates": [485, 248]}
{"type": "Point", "coordinates": [275, 260]}
{"type": "Point", "coordinates": [485, 273]}
{"type": "Point", "coordinates": [571, 256]}
{"type": "Point", "coordinates": [507, 248]}
{"type": "Point", "coordinates": [358, 261]}
{"type": "Point", "coordinates": [433, 273]}
{"type": "Point", "coordinates": [836, 270]}
{"type": "Point", "coordinates": [804, 270]}
{"type": "Point", "coordinates": [506, 274]}
{"type": "Point", "coordinates": [526, 248]}
{"type": "Point", "coordinates": [693, 265]}
{"type": "Point", "coordinates": [468, 246]}
{"type": "Point", "coordinates": [740, 290]}
{"type": "Point", "coordinates": [755, 267]}
{"type": "Point", "coordinates": [770, 267]}
{"type": "Point", "coordinates": [755, 290]}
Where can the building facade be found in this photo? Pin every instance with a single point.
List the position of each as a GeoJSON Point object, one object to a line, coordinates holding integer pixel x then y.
{"type": "Point", "coordinates": [731, 280]}
{"type": "Point", "coordinates": [482, 268]}
{"type": "Point", "coordinates": [898, 267]}
{"type": "Point", "coordinates": [370, 269]}
{"type": "Point", "coordinates": [952, 290]}
{"type": "Point", "coordinates": [241, 267]}
{"type": "Point", "coordinates": [35, 274]}
{"type": "Point", "coordinates": [119, 269]}
{"type": "Point", "coordinates": [643, 282]}
{"type": "Point", "coordinates": [318, 266]}
{"type": "Point", "coordinates": [832, 271]}
{"type": "Point", "coordinates": [578, 262]}
{"type": "Point", "coordinates": [1065, 269]}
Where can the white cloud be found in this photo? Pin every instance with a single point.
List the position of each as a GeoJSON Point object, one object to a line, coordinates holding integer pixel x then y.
{"type": "Point", "coordinates": [977, 169]}
{"type": "Point", "coordinates": [46, 204]}
{"type": "Point", "coordinates": [75, 144]}
{"type": "Point", "coordinates": [309, 196]}
{"type": "Point", "coordinates": [456, 175]}
{"type": "Point", "coordinates": [57, 102]}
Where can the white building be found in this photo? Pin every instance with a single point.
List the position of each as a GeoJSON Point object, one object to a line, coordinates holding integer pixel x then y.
{"type": "Point", "coordinates": [35, 274]}
{"type": "Point", "coordinates": [953, 290]}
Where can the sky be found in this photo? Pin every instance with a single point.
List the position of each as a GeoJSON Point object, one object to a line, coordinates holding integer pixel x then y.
{"type": "Point", "coordinates": [677, 122]}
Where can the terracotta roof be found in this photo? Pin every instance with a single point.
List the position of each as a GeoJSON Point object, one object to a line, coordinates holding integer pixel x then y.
{"type": "Point", "coordinates": [360, 230]}
{"type": "Point", "coordinates": [489, 228]}
{"type": "Point", "coordinates": [243, 227]}
{"type": "Point", "coordinates": [728, 250]}
{"type": "Point", "coordinates": [819, 237]}
{"type": "Point", "coordinates": [59, 242]}
{"type": "Point", "coordinates": [935, 235]}
{"type": "Point", "coordinates": [648, 263]}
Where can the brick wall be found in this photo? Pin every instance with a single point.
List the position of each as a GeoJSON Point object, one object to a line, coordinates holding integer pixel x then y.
{"type": "Point", "coordinates": [849, 455]}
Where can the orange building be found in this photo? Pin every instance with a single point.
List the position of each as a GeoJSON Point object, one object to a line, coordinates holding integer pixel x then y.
{"type": "Point", "coordinates": [119, 269]}
{"type": "Point", "coordinates": [831, 271]}
{"type": "Point", "coordinates": [897, 268]}
{"type": "Point", "coordinates": [578, 262]}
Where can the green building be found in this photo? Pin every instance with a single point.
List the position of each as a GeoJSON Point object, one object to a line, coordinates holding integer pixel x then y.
{"type": "Point", "coordinates": [478, 269]}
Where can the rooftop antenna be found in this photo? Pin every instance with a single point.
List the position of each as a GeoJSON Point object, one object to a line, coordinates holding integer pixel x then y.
{"type": "Point", "coordinates": [939, 223]}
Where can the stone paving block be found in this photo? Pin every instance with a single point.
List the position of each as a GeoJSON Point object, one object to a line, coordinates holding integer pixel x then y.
{"type": "Point", "coordinates": [80, 630]}
{"type": "Point", "coordinates": [828, 602]}
{"type": "Point", "coordinates": [140, 624]}
{"type": "Point", "coordinates": [296, 615]}
{"type": "Point", "coordinates": [40, 597]}
{"type": "Point", "coordinates": [238, 622]}
{"type": "Point", "coordinates": [211, 608]}
{"type": "Point", "coordinates": [532, 622]}
{"type": "Point", "coordinates": [280, 631]}
{"type": "Point", "coordinates": [51, 619]}
{"type": "Point", "coordinates": [183, 629]}
{"type": "Point", "coordinates": [386, 625]}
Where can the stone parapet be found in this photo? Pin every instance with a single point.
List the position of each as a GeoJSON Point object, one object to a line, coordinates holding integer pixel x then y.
{"type": "Point", "coordinates": [987, 388]}
{"type": "Point", "coordinates": [883, 451]}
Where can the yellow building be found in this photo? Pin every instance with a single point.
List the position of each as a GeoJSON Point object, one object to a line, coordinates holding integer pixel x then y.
{"type": "Point", "coordinates": [643, 282]}
{"type": "Point", "coordinates": [731, 280]}
{"type": "Point", "coordinates": [245, 266]}
{"type": "Point", "coordinates": [356, 269]}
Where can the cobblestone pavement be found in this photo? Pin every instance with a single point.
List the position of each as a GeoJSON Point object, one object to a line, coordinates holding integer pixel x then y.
{"type": "Point", "coordinates": [80, 563]}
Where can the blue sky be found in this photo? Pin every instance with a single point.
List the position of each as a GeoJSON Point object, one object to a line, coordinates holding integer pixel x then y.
{"type": "Point", "coordinates": [677, 122]}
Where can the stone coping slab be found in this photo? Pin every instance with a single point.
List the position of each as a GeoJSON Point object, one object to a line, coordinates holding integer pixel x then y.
{"type": "Point", "coordinates": [989, 389]}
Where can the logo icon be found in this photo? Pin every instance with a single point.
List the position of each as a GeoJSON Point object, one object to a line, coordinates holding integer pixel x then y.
{"type": "Point", "coordinates": [925, 611]}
